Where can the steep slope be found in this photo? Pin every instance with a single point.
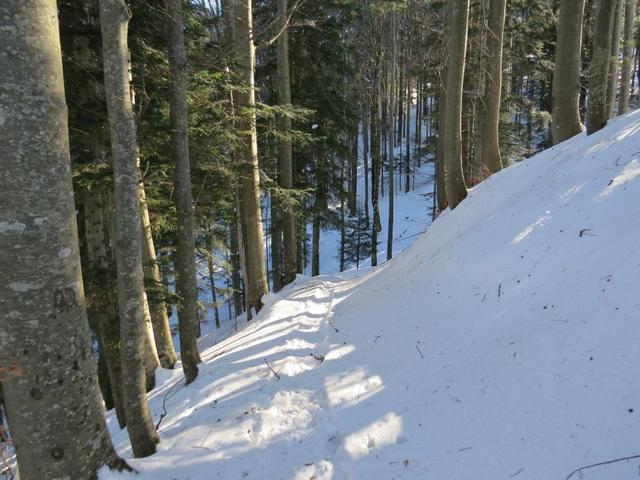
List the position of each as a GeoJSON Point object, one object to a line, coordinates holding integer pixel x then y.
{"type": "Point", "coordinates": [502, 344]}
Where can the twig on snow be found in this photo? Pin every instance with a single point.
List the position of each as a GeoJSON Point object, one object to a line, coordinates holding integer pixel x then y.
{"type": "Point", "coordinates": [274, 372]}
{"type": "Point", "coordinates": [167, 396]}
{"type": "Point", "coordinates": [608, 462]}
{"type": "Point", "coordinates": [421, 355]}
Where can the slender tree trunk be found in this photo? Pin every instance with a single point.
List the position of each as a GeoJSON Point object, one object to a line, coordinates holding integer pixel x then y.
{"type": "Point", "coordinates": [566, 75]}
{"type": "Point", "coordinates": [353, 166]}
{"type": "Point", "coordinates": [236, 282]}
{"type": "Point", "coordinates": [391, 87]}
{"type": "Point", "coordinates": [186, 281]}
{"type": "Point", "coordinates": [627, 57]}
{"type": "Point", "coordinates": [255, 280]}
{"type": "Point", "coordinates": [285, 165]}
{"type": "Point", "coordinates": [489, 144]}
{"type": "Point", "coordinates": [375, 167]}
{"type": "Point", "coordinates": [49, 385]}
{"type": "Point", "coordinates": [600, 64]}
{"type": "Point", "coordinates": [407, 160]}
{"type": "Point", "coordinates": [612, 80]}
{"type": "Point", "coordinates": [454, 177]}
{"type": "Point", "coordinates": [114, 18]}
{"type": "Point", "coordinates": [157, 307]}
{"type": "Point", "coordinates": [441, 193]}
{"type": "Point", "coordinates": [212, 284]}
{"type": "Point", "coordinates": [276, 246]}
{"type": "Point", "coordinates": [365, 142]}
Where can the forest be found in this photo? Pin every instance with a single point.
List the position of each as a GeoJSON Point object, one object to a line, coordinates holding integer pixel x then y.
{"type": "Point", "coordinates": [319, 239]}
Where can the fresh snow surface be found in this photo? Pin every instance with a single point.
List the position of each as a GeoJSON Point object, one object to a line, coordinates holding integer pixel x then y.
{"type": "Point", "coordinates": [502, 344]}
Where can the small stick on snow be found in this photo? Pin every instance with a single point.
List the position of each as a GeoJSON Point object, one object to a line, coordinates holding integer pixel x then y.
{"type": "Point", "coordinates": [274, 372]}
{"type": "Point", "coordinates": [421, 355]}
{"type": "Point", "coordinates": [517, 473]}
{"type": "Point", "coordinates": [334, 327]}
{"type": "Point", "coordinates": [499, 290]}
{"type": "Point", "coordinates": [609, 462]}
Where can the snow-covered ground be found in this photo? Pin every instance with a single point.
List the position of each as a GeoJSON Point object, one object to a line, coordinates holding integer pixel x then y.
{"type": "Point", "coordinates": [502, 344]}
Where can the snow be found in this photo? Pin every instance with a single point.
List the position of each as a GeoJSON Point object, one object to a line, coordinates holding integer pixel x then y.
{"type": "Point", "coordinates": [501, 344]}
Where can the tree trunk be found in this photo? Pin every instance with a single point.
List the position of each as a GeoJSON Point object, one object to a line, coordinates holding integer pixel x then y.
{"type": "Point", "coordinates": [566, 75]}
{"type": "Point", "coordinates": [186, 281]}
{"type": "Point", "coordinates": [114, 18]}
{"type": "Point", "coordinates": [255, 280]}
{"type": "Point", "coordinates": [276, 246]}
{"type": "Point", "coordinates": [375, 165]}
{"type": "Point", "coordinates": [236, 281]}
{"type": "Point", "coordinates": [353, 177]}
{"type": "Point", "coordinates": [49, 384]}
{"type": "Point", "coordinates": [454, 177]}
{"type": "Point", "coordinates": [365, 142]}
{"type": "Point", "coordinates": [285, 164]}
{"type": "Point", "coordinates": [489, 143]}
{"type": "Point", "coordinates": [153, 282]}
{"type": "Point", "coordinates": [627, 56]}
{"type": "Point", "coordinates": [600, 63]}
{"type": "Point", "coordinates": [391, 87]}
{"type": "Point", "coordinates": [612, 80]}
{"type": "Point", "coordinates": [212, 284]}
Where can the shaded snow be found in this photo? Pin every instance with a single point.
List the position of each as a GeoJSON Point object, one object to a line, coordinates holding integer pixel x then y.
{"type": "Point", "coordinates": [502, 344]}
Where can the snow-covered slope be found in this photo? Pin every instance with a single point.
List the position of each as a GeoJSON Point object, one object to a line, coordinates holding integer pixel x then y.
{"type": "Point", "coordinates": [503, 344]}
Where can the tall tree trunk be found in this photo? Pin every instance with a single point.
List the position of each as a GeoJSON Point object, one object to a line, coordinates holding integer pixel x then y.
{"type": "Point", "coordinates": [49, 384]}
{"type": "Point", "coordinates": [353, 176]}
{"type": "Point", "coordinates": [627, 56]}
{"type": "Point", "coordinates": [114, 19]}
{"type": "Point", "coordinates": [276, 246]}
{"type": "Point", "coordinates": [600, 63]}
{"type": "Point", "coordinates": [407, 159]}
{"type": "Point", "coordinates": [212, 284]}
{"type": "Point", "coordinates": [186, 281]}
{"type": "Point", "coordinates": [285, 164]}
{"type": "Point", "coordinates": [489, 144]}
{"type": "Point", "coordinates": [375, 164]}
{"type": "Point", "coordinates": [255, 280]}
{"type": "Point", "coordinates": [391, 87]}
{"type": "Point", "coordinates": [153, 282]}
{"type": "Point", "coordinates": [612, 80]}
{"type": "Point", "coordinates": [441, 193]}
{"type": "Point", "coordinates": [365, 160]}
{"type": "Point", "coordinates": [454, 177]}
{"type": "Point", "coordinates": [236, 281]}
{"type": "Point", "coordinates": [102, 299]}
{"type": "Point", "coordinates": [566, 75]}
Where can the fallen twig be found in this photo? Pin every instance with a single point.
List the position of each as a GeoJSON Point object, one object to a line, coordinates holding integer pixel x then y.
{"type": "Point", "coordinates": [608, 462]}
{"type": "Point", "coordinates": [274, 372]}
{"type": "Point", "coordinates": [421, 355]}
{"type": "Point", "coordinates": [167, 395]}
{"type": "Point", "coordinates": [517, 473]}
{"type": "Point", "coordinates": [331, 323]}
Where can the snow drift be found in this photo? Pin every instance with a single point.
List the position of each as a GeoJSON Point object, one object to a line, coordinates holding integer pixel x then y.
{"type": "Point", "coordinates": [502, 344]}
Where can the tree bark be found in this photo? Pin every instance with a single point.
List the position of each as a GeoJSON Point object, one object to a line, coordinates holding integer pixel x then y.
{"type": "Point", "coordinates": [186, 281]}
{"type": "Point", "coordinates": [489, 143]}
{"type": "Point", "coordinates": [114, 19]}
{"type": "Point", "coordinates": [612, 80]}
{"type": "Point", "coordinates": [153, 280]}
{"type": "Point", "coordinates": [454, 176]}
{"type": "Point", "coordinates": [566, 75]}
{"type": "Point", "coordinates": [391, 87]}
{"type": "Point", "coordinates": [285, 164]}
{"type": "Point", "coordinates": [49, 382]}
{"type": "Point", "coordinates": [627, 56]}
{"type": "Point", "coordinates": [600, 63]}
{"type": "Point", "coordinates": [255, 276]}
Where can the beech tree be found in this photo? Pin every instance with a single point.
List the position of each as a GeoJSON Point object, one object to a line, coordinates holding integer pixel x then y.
{"type": "Point", "coordinates": [453, 173]}
{"type": "Point", "coordinates": [186, 282]}
{"type": "Point", "coordinates": [255, 277]}
{"type": "Point", "coordinates": [566, 76]}
{"type": "Point", "coordinates": [47, 369]}
{"type": "Point", "coordinates": [489, 143]}
{"type": "Point", "coordinates": [627, 55]}
{"type": "Point", "coordinates": [114, 18]}
{"type": "Point", "coordinates": [600, 65]}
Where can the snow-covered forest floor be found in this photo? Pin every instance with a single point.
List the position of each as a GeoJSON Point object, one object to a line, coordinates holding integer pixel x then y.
{"type": "Point", "coordinates": [501, 344]}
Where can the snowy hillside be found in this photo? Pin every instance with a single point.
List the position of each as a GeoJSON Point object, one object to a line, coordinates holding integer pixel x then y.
{"type": "Point", "coordinates": [502, 344]}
